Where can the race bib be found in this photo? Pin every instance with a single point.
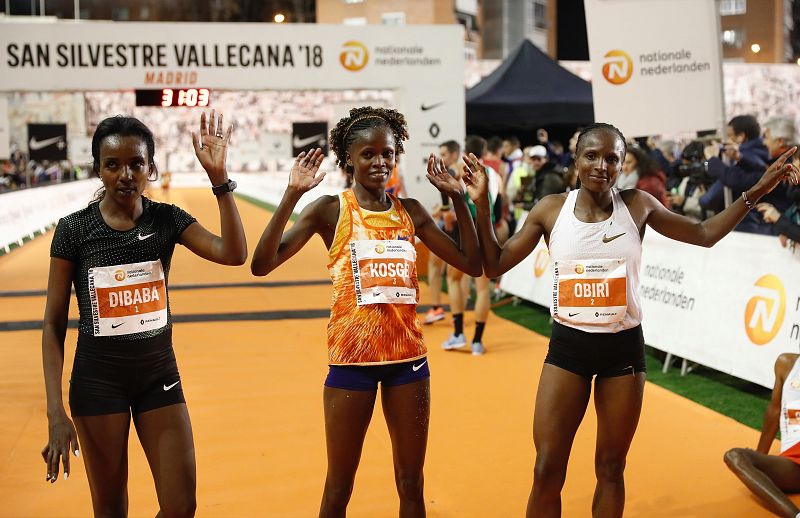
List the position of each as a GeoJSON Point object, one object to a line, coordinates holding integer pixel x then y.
{"type": "Point", "coordinates": [792, 415]}
{"type": "Point", "coordinates": [590, 292]}
{"type": "Point", "coordinates": [128, 298]}
{"type": "Point", "coordinates": [383, 271]}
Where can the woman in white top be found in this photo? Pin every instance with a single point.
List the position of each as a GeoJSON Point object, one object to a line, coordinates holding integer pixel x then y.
{"type": "Point", "coordinates": [770, 477]}
{"type": "Point", "coordinates": [594, 236]}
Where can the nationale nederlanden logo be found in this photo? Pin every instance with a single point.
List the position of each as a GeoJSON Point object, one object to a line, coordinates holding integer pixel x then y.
{"type": "Point", "coordinates": [540, 262]}
{"type": "Point", "coordinates": [764, 313]}
{"type": "Point", "coordinates": [354, 56]}
{"type": "Point", "coordinates": [617, 67]}
{"type": "Point", "coordinates": [579, 269]}
{"type": "Point", "coordinates": [119, 275]}
{"type": "Point", "coordinates": [380, 248]}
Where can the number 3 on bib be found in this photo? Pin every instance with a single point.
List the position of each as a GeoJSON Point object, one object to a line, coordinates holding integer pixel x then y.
{"type": "Point", "coordinates": [383, 271]}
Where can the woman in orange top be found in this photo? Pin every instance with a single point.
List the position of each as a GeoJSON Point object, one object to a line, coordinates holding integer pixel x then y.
{"type": "Point", "coordinates": [373, 334]}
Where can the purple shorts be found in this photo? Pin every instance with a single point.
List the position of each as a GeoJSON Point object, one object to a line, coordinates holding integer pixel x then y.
{"type": "Point", "coordinates": [367, 377]}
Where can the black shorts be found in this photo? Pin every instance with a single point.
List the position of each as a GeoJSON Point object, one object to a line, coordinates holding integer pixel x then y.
{"type": "Point", "coordinates": [604, 355]}
{"type": "Point", "coordinates": [367, 377]}
{"type": "Point", "coordinates": [124, 376]}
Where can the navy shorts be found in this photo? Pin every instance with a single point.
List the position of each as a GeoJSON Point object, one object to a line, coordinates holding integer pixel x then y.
{"type": "Point", "coordinates": [367, 377]}
{"type": "Point", "coordinates": [123, 376]}
{"type": "Point", "coordinates": [605, 355]}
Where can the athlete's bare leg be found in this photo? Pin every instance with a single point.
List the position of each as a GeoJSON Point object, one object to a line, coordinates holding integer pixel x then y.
{"type": "Point", "coordinates": [618, 402]}
{"type": "Point", "coordinates": [435, 271]}
{"type": "Point", "coordinates": [769, 477]}
{"type": "Point", "coordinates": [456, 295]}
{"type": "Point", "coordinates": [166, 437]}
{"type": "Point", "coordinates": [104, 448]}
{"type": "Point", "coordinates": [407, 411]}
{"type": "Point", "coordinates": [561, 400]}
{"type": "Point", "coordinates": [482, 298]}
{"type": "Point", "coordinates": [347, 416]}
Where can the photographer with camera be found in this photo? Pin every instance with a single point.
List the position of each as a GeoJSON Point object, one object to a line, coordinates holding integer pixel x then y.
{"type": "Point", "coordinates": [692, 170]}
{"type": "Point", "coordinates": [748, 157]}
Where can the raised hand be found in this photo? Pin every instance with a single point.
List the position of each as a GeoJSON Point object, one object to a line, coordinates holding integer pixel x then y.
{"type": "Point", "coordinates": [62, 440]}
{"type": "Point", "coordinates": [441, 179]}
{"type": "Point", "coordinates": [778, 172]}
{"type": "Point", "coordinates": [211, 147]}
{"type": "Point", "coordinates": [303, 176]}
{"type": "Point", "coordinates": [475, 178]}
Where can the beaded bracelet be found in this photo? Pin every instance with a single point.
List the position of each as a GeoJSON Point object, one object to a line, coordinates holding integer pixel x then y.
{"type": "Point", "coordinates": [749, 204]}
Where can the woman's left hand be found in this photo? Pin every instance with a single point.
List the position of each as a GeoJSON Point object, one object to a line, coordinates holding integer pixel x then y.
{"type": "Point", "coordinates": [441, 179]}
{"type": "Point", "coordinates": [211, 148]}
{"type": "Point", "coordinates": [778, 172]}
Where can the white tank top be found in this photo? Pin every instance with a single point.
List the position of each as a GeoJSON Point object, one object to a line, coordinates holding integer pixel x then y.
{"type": "Point", "coordinates": [790, 408]}
{"type": "Point", "coordinates": [576, 246]}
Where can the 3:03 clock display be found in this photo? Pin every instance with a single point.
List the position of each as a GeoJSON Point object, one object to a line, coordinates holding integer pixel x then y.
{"type": "Point", "coordinates": [174, 97]}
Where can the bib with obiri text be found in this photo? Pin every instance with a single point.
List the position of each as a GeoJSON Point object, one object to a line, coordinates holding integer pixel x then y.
{"type": "Point", "coordinates": [128, 298]}
{"type": "Point", "coordinates": [383, 271]}
{"type": "Point", "coordinates": [593, 291]}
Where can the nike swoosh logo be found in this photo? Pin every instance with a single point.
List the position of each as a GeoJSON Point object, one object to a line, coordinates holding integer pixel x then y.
{"type": "Point", "coordinates": [303, 142]}
{"type": "Point", "coordinates": [167, 387]}
{"type": "Point", "coordinates": [573, 314]}
{"type": "Point", "coordinates": [430, 106]}
{"type": "Point", "coordinates": [142, 238]}
{"type": "Point", "coordinates": [39, 144]}
{"type": "Point", "coordinates": [415, 368]}
{"type": "Point", "coordinates": [607, 239]}
{"type": "Point", "coordinates": [114, 326]}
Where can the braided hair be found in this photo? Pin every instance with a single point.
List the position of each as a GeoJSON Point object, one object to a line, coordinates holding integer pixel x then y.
{"type": "Point", "coordinates": [597, 126]}
{"type": "Point", "coordinates": [346, 130]}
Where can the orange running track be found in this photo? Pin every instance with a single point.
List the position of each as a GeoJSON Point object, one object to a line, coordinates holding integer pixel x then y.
{"type": "Point", "coordinates": [254, 390]}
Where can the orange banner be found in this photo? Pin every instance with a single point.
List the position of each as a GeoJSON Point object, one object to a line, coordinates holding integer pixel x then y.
{"type": "Point", "coordinates": [599, 293]}
{"type": "Point", "coordinates": [133, 299]}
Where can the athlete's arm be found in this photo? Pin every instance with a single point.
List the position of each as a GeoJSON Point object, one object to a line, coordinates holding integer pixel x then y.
{"type": "Point", "coordinates": [496, 259]}
{"type": "Point", "coordinates": [275, 246]}
{"type": "Point", "coordinates": [231, 247]}
{"type": "Point", "coordinates": [783, 365]}
{"type": "Point", "coordinates": [468, 257]}
{"type": "Point", "coordinates": [62, 437]}
{"type": "Point", "coordinates": [708, 232]}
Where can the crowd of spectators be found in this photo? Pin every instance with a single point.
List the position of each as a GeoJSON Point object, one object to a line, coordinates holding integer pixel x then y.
{"type": "Point", "coordinates": [697, 179]}
{"type": "Point", "coordinates": [19, 172]}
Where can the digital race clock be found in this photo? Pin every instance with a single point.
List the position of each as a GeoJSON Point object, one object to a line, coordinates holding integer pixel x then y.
{"type": "Point", "coordinates": [174, 97]}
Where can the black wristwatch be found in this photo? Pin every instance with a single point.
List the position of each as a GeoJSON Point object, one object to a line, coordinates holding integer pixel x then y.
{"type": "Point", "coordinates": [228, 186]}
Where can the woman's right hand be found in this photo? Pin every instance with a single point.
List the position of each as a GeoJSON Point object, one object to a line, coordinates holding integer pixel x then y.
{"type": "Point", "coordinates": [63, 439]}
{"type": "Point", "coordinates": [303, 176]}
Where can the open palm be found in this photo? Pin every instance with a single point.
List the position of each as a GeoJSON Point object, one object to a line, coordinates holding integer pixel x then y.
{"type": "Point", "coordinates": [475, 178]}
{"type": "Point", "coordinates": [211, 148]}
{"type": "Point", "coordinates": [441, 178]}
{"type": "Point", "coordinates": [303, 175]}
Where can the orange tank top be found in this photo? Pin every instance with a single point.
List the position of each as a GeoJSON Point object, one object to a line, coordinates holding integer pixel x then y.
{"type": "Point", "coordinates": [375, 289]}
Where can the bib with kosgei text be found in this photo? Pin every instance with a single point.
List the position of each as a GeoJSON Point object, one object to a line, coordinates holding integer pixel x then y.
{"type": "Point", "coordinates": [383, 271]}
{"type": "Point", "coordinates": [128, 298]}
{"type": "Point", "coordinates": [593, 291]}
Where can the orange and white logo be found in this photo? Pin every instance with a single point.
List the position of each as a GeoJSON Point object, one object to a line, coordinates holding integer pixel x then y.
{"type": "Point", "coordinates": [617, 67]}
{"type": "Point", "coordinates": [579, 269]}
{"type": "Point", "coordinates": [380, 249]}
{"type": "Point", "coordinates": [119, 275]}
{"type": "Point", "coordinates": [540, 262]}
{"type": "Point", "coordinates": [354, 56]}
{"type": "Point", "coordinates": [765, 311]}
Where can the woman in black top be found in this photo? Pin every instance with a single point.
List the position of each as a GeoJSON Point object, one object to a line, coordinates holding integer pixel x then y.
{"type": "Point", "coordinates": [117, 253]}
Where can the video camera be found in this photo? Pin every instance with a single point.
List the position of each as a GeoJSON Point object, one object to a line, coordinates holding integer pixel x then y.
{"type": "Point", "coordinates": [694, 164]}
